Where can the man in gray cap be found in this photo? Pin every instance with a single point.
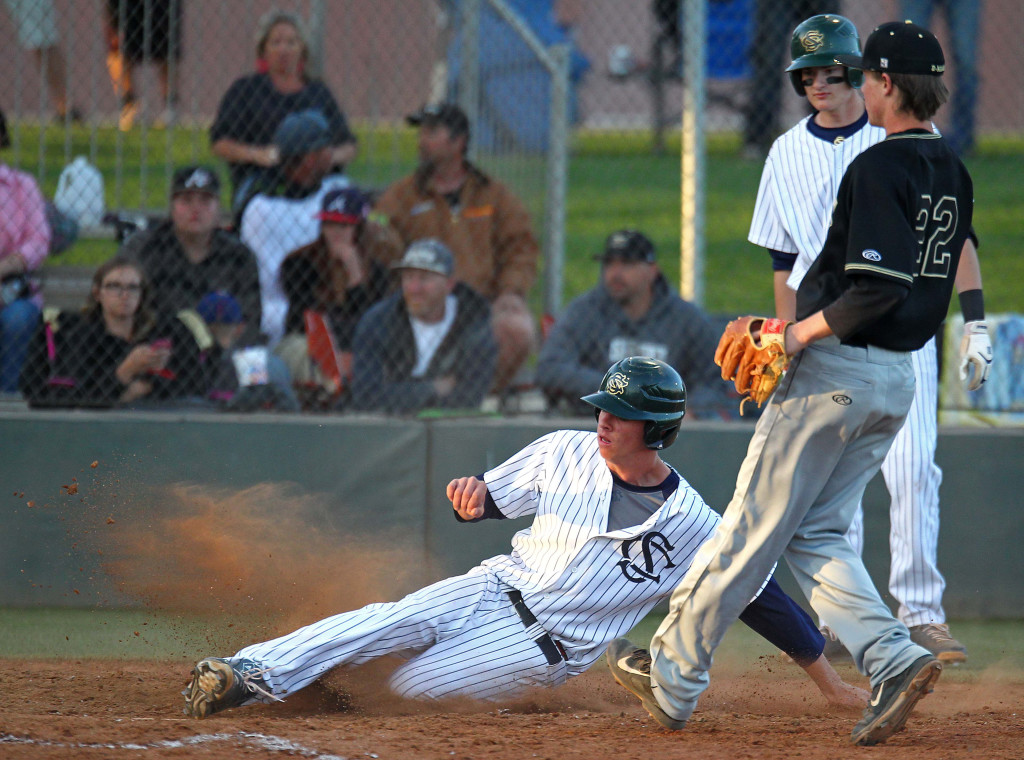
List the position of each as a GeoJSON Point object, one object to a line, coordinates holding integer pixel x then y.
{"type": "Point", "coordinates": [431, 345]}
{"type": "Point", "coordinates": [282, 216]}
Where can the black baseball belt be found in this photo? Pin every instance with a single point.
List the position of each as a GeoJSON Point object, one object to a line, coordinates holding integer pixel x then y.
{"type": "Point", "coordinates": [553, 650]}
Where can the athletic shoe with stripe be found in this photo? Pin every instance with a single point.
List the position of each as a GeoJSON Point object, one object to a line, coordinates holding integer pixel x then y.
{"type": "Point", "coordinates": [893, 700]}
{"type": "Point", "coordinates": [631, 669]}
{"type": "Point", "coordinates": [219, 685]}
{"type": "Point", "coordinates": [936, 638]}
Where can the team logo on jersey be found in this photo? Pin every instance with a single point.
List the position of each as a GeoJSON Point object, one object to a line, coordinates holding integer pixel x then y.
{"type": "Point", "coordinates": [812, 40]}
{"type": "Point", "coordinates": [871, 255]}
{"type": "Point", "coordinates": [649, 543]}
{"type": "Point", "coordinates": [617, 384]}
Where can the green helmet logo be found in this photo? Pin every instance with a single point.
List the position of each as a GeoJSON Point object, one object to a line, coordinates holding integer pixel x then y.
{"type": "Point", "coordinates": [641, 388]}
{"type": "Point", "coordinates": [617, 384]}
{"type": "Point", "coordinates": [815, 44]}
{"type": "Point", "coordinates": [812, 40]}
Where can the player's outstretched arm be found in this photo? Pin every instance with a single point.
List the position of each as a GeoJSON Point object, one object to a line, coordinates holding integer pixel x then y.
{"type": "Point", "coordinates": [468, 496]}
{"type": "Point", "coordinates": [833, 687]}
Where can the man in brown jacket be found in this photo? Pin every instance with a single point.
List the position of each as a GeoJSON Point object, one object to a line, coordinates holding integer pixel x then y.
{"type": "Point", "coordinates": [485, 225]}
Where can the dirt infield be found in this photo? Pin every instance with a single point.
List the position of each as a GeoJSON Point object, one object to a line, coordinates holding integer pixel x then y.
{"type": "Point", "coordinates": [195, 552]}
{"type": "Point", "coordinates": [102, 709]}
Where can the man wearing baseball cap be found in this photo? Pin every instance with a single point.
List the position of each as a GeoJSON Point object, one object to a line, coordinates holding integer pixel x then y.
{"type": "Point", "coordinates": [484, 224]}
{"type": "Point", "coordinates": [878, 291]}
{"type": "Point", "coordinates": [430, 345]}
{"type": "Point", "coordinates": [190, 255]}
{"type": "Point", "coordinates": [633, 311]}
{"type": "Point", "coordinates": [282, 216]}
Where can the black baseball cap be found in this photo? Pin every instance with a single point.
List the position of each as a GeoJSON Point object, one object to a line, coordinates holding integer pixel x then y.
{"type": "Point", "coordinates": [899, 47]}
{"type": "Point", "coordinates": [200, 178]}
{"type": "Point", "coordinates": [628, 245]}
{"type": "Point", "coordinates": [445, 114]}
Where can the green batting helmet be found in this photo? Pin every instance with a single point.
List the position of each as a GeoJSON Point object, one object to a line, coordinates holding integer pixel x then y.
{"type": "Point", "coordinates": [641, 388]}
{"type": "Point", "coordinates": [817, 41]}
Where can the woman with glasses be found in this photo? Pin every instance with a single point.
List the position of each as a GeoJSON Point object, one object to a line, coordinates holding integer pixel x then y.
{"type": "Point", "coordinates": [118, 351]}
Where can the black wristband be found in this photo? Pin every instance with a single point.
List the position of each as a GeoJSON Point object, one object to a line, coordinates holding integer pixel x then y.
{"type": "Point", "coordinates": [972, 305]}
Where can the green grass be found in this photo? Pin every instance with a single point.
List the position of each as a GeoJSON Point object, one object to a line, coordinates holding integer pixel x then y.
{"type": "Point", "coordinates": [614, 181]}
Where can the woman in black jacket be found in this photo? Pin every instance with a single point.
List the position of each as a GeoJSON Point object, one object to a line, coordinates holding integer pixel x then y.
{"type": "Point", "coordinates": [118, 351]}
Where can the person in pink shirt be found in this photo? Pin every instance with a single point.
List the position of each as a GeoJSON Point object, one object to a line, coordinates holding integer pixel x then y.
{"type": "Point", "coordinates": [24, 243]}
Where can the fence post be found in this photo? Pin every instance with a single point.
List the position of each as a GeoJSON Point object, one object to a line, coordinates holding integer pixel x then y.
{"type": "Point", "coordinates": [317, 19]}
{"type": "Point", "coordinates": [469, 77]}
{"type": "Point", "coordinates": [557, 180]}
{"type": "Point", "coordinates": [691, 255]}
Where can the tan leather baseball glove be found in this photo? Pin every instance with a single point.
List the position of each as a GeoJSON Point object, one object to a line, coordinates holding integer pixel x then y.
{"type": "Point", "coordinates": [754, 364]}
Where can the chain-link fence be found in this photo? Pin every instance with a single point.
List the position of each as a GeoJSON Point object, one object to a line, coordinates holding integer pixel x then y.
{"type": "Point", "coordinates": [240, 177]}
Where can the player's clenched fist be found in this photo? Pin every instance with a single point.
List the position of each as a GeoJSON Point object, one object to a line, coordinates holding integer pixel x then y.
{"type": "Point", "coordinates": [467, 496]}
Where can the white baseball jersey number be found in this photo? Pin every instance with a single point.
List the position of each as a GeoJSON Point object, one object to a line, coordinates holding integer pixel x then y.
{"type": "Point", "coordinates": [934, 258]}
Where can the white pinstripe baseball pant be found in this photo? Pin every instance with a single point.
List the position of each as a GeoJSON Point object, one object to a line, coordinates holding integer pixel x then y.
{"type": "Point", "coordinates": [462, 635]}
{"type": "Point", "coordinates": [913, 480]}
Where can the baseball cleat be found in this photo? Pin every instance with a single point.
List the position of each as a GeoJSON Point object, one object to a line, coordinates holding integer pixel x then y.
{"type": "Point", "coordinates": [219, 685]}
{"type": "Point", "coordinates": [631, 669]}
{"type": "Point", "coordinates": [936, 638]}
{"type": "Point", "coordinates": [893, 700]}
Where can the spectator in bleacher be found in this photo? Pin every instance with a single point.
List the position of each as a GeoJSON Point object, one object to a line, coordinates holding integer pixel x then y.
{"type": "Point", "coordinates": [141, 32]}
{"type": "Point", "coordinates": [24, 243]}
{"type": "Point", "coordinates": [118, 351]}
{"type": "Point", "coordinates": [339, 275]}
{"type": "Point", "coordinates": [189, 255]}
{"type": "Point", "coordinates": [429, 346]}
{"type": "Point", "coordinates": [632, 312]}
{"type": "Point", "coordinates": [243, 377]}
{"type": "Point", "coordinates": [486, 226]}
{"type": "Point", "coordinates": [254, 105]}
{"type": "Point", "coordinates": [37, 31]}
{"type": "Point", "coordinates": [284, 217]}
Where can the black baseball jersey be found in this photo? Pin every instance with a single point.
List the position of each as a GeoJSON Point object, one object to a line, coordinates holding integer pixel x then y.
{"type": "Point", "coordinates": [902, 214]}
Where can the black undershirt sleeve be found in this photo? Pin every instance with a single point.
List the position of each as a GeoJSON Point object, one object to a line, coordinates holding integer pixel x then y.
{"type": "Point", "coordinates": [864, 302]}
{"type": "Point", "coordinates": [782, 261]}
{"type": "Point", "coordinates": [491, 511]}
{"type": "Point", "coordinates": [784, 623]}
{"type": "Point", "coordinates": [972, 305]}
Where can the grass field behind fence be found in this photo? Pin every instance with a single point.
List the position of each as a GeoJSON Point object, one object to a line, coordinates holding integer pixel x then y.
{"type": "Point", "coordinates": [614, 181]}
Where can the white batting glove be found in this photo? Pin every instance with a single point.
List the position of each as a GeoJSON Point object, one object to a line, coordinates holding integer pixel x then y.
{"type": "Point", "coordinates": [976, 352]}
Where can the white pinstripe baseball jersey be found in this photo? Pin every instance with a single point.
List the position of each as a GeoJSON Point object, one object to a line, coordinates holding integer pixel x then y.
{"type": "Point", "coordinates": [798, 190]}
{"type": "Point", "coordinates": [585, 584]}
